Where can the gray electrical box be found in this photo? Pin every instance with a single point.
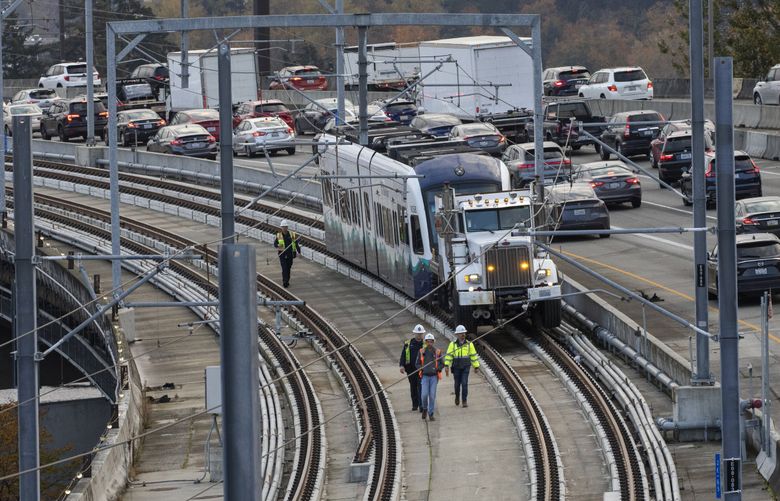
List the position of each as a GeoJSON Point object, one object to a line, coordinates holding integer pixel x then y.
{"type": "Point", "coordinates": [214, 389]}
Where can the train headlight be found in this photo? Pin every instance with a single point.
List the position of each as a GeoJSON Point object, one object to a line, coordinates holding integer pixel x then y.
{"type": "Point", "coordinates": [543, 273]}
{"type": "Point", "coordinates": [524, 265]}
{"type": "Point", "coordinates": [472, 278]}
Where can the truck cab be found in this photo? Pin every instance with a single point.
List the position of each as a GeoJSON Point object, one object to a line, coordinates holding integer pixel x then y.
{"type": "Point", "coordinates": [496, 273]}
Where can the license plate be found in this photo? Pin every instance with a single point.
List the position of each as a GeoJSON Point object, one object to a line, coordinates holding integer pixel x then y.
{"type": "Point", "coordinates": [614, 186]}
{"type": "Point", "coordinates": [760, 271]}
{"type": "Point", "coordinates": [404, 117]}
{"type": "Point", "coordinates": [577, 86]}
{"type": "Point", "coordinates": [647, 133]}
{"type": "Point", "coordinates": [193, 146]}
{"type": "Point", "coordinates": [147, 126]}
{"type": "Point", "coordinates": [211, 129]}
{"type": "Point", "coordinates": [311, 80]}
{"type": "Point", "coordinates": [632, 87]}
{"type": "Point", "coordinates": [772, 222]}
{"type": "Point", "coordinates": [484, 143]}
{"type": "Point", "coordinates": [580, 212]}
{"type": "Point", "coordinates": [685, 156]}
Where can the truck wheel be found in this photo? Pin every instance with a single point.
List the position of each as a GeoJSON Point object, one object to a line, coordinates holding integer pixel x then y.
{"type": "Point", "coordinates": [604, 154]}
{"type": "Point", "coordinates": [548, 314]}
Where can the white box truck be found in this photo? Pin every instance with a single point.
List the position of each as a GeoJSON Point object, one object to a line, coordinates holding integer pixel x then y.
{"type": "Point", "coordinates": [390, 66]}
{"type": "Point", "coordinates": [490, 74]}
{"type": "Point", "coordinates": [203, 90]}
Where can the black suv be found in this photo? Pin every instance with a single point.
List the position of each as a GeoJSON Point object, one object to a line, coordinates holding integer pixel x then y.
{"type": "Point", "coordinates": [564, 80]}
{"type": "Point", "coordinates": [156, 74]}
{"type": "Point", "coordinates": [628, 135]}
{"type": "Point", "coordinates": [68, 119]}
{"type": "Point", "coordinates": [747, 179]}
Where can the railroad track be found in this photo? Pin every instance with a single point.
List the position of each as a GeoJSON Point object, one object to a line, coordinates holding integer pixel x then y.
{"type": "Point", "coordinates": [378, 443]}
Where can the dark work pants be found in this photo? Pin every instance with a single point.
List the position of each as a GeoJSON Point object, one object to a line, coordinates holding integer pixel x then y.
{"type": "Point", "coordinates": [461, 377]}
{"type": "Point", "coordinates": [286, 263]}
{"type": "Point", "coordinates": [414, 385]}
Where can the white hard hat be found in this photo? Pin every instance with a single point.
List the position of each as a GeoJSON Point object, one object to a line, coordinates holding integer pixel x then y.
{"type": "Point", "coordinates": [460, 330]}
{"type": "Point", "coordinates": [418, 329]}
{"type": "Point", "coordinates": [284, 223]}
{"type": "Point", "coordinates": [429, 337]}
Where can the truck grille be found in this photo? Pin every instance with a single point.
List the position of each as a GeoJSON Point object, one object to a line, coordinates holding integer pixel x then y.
{"type": "Point", "coordinates": [507, 272]}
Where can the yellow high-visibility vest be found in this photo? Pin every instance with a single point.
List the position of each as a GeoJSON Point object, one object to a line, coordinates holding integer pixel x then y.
{"type": "Point", "coordinates": [464, 351]}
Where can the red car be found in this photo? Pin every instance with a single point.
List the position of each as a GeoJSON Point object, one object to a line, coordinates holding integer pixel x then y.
{"type": "Point", "coordinates": [263, 108]}
{"type": "Point", "coordinates": [299, 77]}
{"type": "Point", "coordinates": [206, 118]}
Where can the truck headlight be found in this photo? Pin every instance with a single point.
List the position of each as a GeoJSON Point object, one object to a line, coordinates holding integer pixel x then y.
{"type": "Point", "coordinates": [543, 273]}
{"type": "Point", "coordinates": [472, 278]}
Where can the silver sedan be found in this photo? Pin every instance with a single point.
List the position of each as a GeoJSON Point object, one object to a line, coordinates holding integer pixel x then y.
{"type": "Point", "coordinates": [31, 110]}
{"type": "Point", "coordinates": [263, 134]}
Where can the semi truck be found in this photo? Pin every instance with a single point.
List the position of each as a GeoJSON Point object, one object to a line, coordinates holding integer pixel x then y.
{"type": "Point", "coordinates": [203, 89]}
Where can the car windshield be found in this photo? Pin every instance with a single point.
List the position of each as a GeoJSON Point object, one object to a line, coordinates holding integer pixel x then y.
{"type": "Point", "coordinates": [439, 121]}
{"type": "Point", "coordinates": [567, 193]}
{"type": "Point", "coordinates": [478, 130]}
{"type": "Point", "coordinates": [607, 170]}
{"type": "Point", "coordinates": [308, 73]}
{"type": "Point", "coordinates": [400, 106]}
{"type": "Point", "coordinates": [77, 68]}
{"type": "Point", "coordinates": [43, 94]}
{"type": "Point", "coordinates": [569, 110]}
{"type": "Point", "coordinates": [676, 144]}
{"type": "Point", "coordinates": [498, 219]}
{"type": "Point", "coordinates": [264, 124]}
{"type": "Point", "coordinates": [757, 250]}
{"type": "Point", "coordinates": [549, 154]}
{"type": "Point", "coordinates": [572, 74]}
{"type": "Point", "coordinates": [743, 164]}
{"type": "Point", "coordinates": [270, 108]}
{"type": "Point", "coordinates": [136, 91]}
{"type": "Point", "coordinates": [142, 115]}
{"type": "Point", "coordinates": [763, 206]}
{"type": "Point", "coordinates": [645, 117]}
{"type": "Point", "coordinates": [25, 110]}
{"type": "Point", "coordinates": [81, 107]}
{"type": "Point", "coordinates": [204, 115]}
{"type": "Point", "coordinates": [630, 75]}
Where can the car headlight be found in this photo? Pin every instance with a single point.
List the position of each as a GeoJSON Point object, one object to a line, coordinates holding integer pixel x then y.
{"type": "Point", "coordinates": [472, 278]}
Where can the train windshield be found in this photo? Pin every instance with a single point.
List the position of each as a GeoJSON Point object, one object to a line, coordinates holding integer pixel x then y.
{"type": "Point", "coordinates": [460, 189]}
{"type": "Point", "coordinates": [498, 219]}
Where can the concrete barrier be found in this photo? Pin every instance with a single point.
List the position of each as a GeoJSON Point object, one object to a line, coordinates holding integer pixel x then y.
{"type": "Point", "coordinates": [770, 117]}
{"type": "Point", "coordinates": [755, 144]}
{"type": "Point", "coordinates": [772, 151]}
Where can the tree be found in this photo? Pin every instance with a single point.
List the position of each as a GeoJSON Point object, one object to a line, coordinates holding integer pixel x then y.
{"type": "Point", "coordinates": [53, 480]}
{"type": "Point", "coordinates": [20, 60]}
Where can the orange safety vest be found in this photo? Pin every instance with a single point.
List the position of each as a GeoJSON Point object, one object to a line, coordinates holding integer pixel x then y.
{"type": "Point", "coordinates": [436, 359]}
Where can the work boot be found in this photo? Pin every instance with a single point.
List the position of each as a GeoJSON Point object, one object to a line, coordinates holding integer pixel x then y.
{"type": "Point", "coordinates": [414, 409]}
{"type": "Point", "coordinates": [433, 418]}
{"type": "Point", "coordinates": [424, 414]}
{"type": "Point", "coordinates": [457, 400]}
{"type": "Point", "coordinates": [465, 404]}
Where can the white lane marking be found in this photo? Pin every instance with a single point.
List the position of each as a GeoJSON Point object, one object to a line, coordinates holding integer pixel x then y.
{"type": "Point", "coordinates": [675, 209]}
{"type": "Point", "coordinates": [659, 240]}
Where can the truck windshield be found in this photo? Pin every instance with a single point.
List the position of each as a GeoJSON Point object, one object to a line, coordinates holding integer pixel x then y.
{"type": "Point", "coordinates": [498, 219]}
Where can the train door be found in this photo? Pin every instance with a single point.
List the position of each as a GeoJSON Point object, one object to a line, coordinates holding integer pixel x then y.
{"type": "Point", "coordinates": [369, 227]}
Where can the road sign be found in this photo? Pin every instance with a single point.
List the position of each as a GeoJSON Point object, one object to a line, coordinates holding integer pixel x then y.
{"type": "Point", "coordinates": [717, 475]}
{"type": "Point", "coordinates": [733, 469]}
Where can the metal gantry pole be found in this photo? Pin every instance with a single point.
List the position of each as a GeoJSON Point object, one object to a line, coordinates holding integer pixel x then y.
{"type": "Point", "coordinates": [185, 46]}
{"type": "Point", "coordinates": [727, 281]}
{"type": "Point", "coordinates": [766, 422]}
{"type": "Point", "coordinates": [26, 314]}
{"type": "Point", "coordinates": [710, 37]}
{"type": "Point", "coordinates": [699, 191]}
{"type": "Point", "coordinates": [536, 39]}
{"type": "Point", "coordinates": [226, 143]}
{"type": "Point", "coordinates": [113, 167]}
{"type": "Point", "coordinates": [3, 211]}
{"type": "Point", "coordinates": [362, 86]}
{"type": "Point", "coordinates": [240, 385]}
{"type": "Point", "coordinates": [90, 73]}
{"type": "Point", "coordinates": [340, 66]}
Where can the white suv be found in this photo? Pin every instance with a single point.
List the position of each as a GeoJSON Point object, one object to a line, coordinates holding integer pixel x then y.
{"type": "Point", "coordinates": [768, 91]}
{"type": "Point", "coordinates": [618, 83]}
{"type": "Point", "coordinates": [67, 75]}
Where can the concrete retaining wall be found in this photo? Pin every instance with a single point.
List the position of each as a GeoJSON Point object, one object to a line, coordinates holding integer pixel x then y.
{"type": "Point", "coordinates": [628, 331]}
{"type": "Point", "coordinates": [110, 467]}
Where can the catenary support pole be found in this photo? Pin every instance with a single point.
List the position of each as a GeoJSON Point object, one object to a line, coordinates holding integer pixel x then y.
{"type": "Point", "coordinates": [340, 66]}
{"type": "Point", "coordinates": [702, 375]}
{"type": "Point", "coordinates": [727, 280]}
{"type": "Point", "coordinates": [766, 422]}
{"type": "Point", "coordinates": [240, 405]}
{"type": "Point", "coordinates": [536, 40]}
{"type": "Point", "coordinates": [185, 47]}
{"type": "Point", "coordinates": [3, 211]}
{"type": "Point", "coordinates": [226, 143]}
{"type": "Point", "coordinates": [26, 314]}
{"type": "Point", "coordinates": [710, 37]}
{"type": "Point", "coordinates": [90, 73]}
{"type": "Point", "coordinates": [113, 167]}
{"type": "Point", "coordinates": [362, 86]}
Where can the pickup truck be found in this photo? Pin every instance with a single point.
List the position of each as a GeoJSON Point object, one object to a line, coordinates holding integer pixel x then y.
{"type": "Point", "coordinates": [557, 124]}
{"type": "Point", "coordinates": [512, 124]}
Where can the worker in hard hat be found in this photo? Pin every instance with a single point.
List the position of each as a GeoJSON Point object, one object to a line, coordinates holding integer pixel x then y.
{"type": "Point", "coordinates": [461, 356]}
{"type": "Point", "coordinates": [429, 366]}
{"type": "Point", "coordinates": [408, 353]}
{"type": "Point", "coordinates": [287, 246]}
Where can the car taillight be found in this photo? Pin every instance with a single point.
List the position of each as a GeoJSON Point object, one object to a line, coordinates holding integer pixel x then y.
{"type": "Point", "coordinates": [596, 184]}
{"type": "Point", "coordinates": [103, 114]}
{"type": "Point", "coordinates": [289, 130]}
{"type": "Point", "coordinates": [161, 122]}
{"type": "Point", "coordinates": [131, 125]}
{"type": "Point", "coordinates": [649, 85]}
{"type": "Point", "coordinates": [66, 78]}
{"type": "Point", "coordinates": [176, 142]}
{"type": "Point", "coordinates": [72, 117]}
{"type": "Point", "coordinates": [612, 88]}
{"type": "Point", "coordinates": [158, 77]}
{"type": "Point", "coordinates": [709, 172]}
{"type": "Point", "coordinates": [258, 133]}
{"type": "Point", "coordinates": [749, 221]}
{"type": "Point", "coordinates": [627, 130]}
{"type": "Point", "coordinates": [559, 83]}
{"type": "Point", "coordinates": [501, 139]}
{"type": "Point", "coordinates": [755, 169]}
{"type": "Point", "coordinates": [666, 158]}
{"type": "Point", "coordinates": [296, 79]}
{"type": "Point", "coordinates": [632, 180]}
{"type": "Point", "coordinates": [212, 139]}
{"type": "Point", "coordinates": [525, 166]}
